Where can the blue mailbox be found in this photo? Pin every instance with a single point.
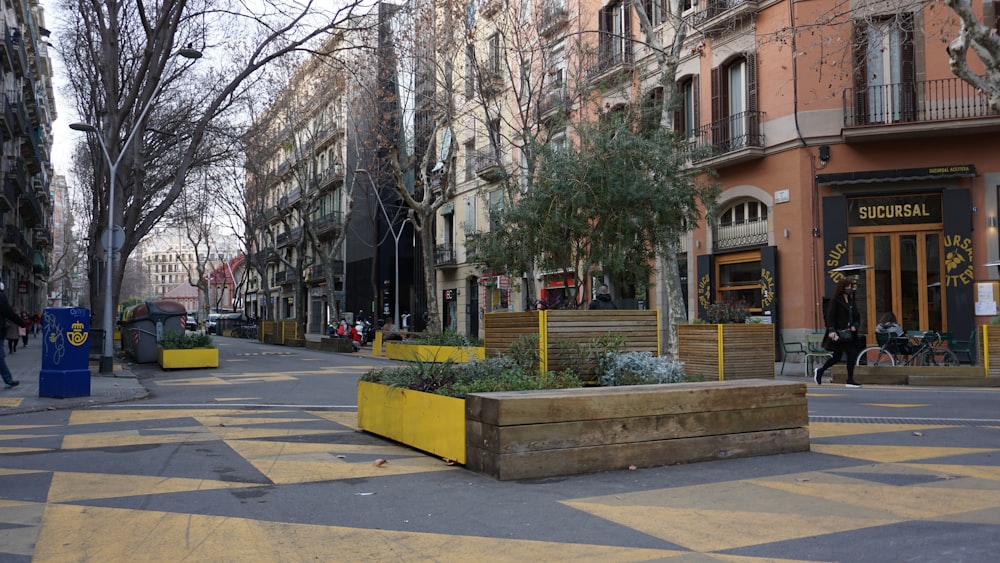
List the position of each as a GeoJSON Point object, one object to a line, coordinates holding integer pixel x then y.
{"type": "Point", "coordinates": [65, 353]}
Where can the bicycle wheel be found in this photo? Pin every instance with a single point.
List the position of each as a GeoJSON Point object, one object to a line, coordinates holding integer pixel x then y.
{"type": "Point", "coordinates": [938, 357]}
{"type": "Point", "coordinates": [875, 356]}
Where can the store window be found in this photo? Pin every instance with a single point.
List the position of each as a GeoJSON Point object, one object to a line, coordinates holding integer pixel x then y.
{"type": "Point", "coordinates": [738, 280]}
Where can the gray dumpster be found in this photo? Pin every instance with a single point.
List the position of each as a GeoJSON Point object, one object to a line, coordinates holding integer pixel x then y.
{"type": "Point", "coordinates": [143, 326]}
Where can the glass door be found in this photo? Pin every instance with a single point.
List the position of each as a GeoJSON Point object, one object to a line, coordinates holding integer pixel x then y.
{"type": "Point", "coordinates": [905, 278]}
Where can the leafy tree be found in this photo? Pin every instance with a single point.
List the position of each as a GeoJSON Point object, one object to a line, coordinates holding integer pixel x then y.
{"type": "Point", "coordinates": [612, 201]}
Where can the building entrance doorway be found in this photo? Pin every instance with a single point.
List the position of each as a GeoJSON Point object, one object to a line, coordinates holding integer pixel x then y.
{"type": "Point", "coordinates": [905, 278]}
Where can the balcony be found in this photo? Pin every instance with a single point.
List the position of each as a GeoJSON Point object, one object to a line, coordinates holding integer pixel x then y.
{"type": "Point", "coordinates": [328, 226]}
{"type": "Point", "coordinates": [720, 14]}
{"type": "Point", "coordinates": [282, 277]}
{"type": "Point", "coordinates": [13, 239]}
{"type": "Point", "coordinates": [8, 196]}
{"type": "Point", "coordinates": [445, 256]}
{"type": "Point", "coordinates": [612, 59]}
{"type": "Point", "coordinates": [740, 235]}
{"type": "Point", "coordinates": [332, 177]}
{"type": "Point", "coordinates": [6, 57]}
{"type": "Point", "coordinates": [43, 237]}
{"type": "Point", "coordinates": [555, 16]}
{"type": "Point", "coordinates": [487, 165]}
{"type": "Point", "coordinates": [730, 140]}
{"type": "Point", "coordinates": [916, 109]}
{"type": "Point", "coordinates": [8, 117]}
{"type": "Point", "coordinates": [31, 208]}
{"type": "Point", "coordinates": [553, 103]}
{"type": "Point", "coordinates": [318, 273]}
{"type": "Point", "coordinates": [491, 84]}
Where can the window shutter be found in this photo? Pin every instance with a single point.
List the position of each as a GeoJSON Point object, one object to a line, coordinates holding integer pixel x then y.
{"type": "Point", "coordinates": [907, 68]}
{"type": "Point", "coordinates": [695, 96]}
{"type": "Point", "coordinates": [751, 60]}
{"type": "Point", "coordinates": [605, 21]}
{"type": "Point", "coordinates": [679, 124]}
{"type": "Point", "coordinates": [716, 94]}
{"type": "Point", "coordinates": [860, 71]}
{"type": "Point", "coordinates": [627, 40]}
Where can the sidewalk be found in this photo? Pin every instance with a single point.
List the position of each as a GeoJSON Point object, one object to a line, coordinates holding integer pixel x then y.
{"type": "Point", "coordinates": [26, 364]}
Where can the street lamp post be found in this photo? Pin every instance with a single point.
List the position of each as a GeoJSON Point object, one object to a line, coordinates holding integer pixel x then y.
{"type": "Point", "coordinates": [396, 234]}
{"type": "Point", "coordinates": [107, 352]}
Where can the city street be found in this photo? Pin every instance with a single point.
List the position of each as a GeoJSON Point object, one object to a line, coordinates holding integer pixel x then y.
{"type": "Point", "coordinates": [261, 460]}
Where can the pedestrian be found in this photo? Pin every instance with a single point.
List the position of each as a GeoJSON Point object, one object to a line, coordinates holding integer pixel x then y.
{"type": "Point", "coordinates": [842, 319]}
{"type": "Point", "coordinates": [603, 299]}
{"type": "Point", "coordinates": [13, 332]}
{"type": "Point", "coordinates": [23, 331]}
{"type": "Point", "coordinates": [11, 315]}
{"type": "Point", "coordinates": [36, 324]}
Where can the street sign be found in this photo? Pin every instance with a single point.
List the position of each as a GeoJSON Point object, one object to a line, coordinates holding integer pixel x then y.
{"type": "Point", "coordinates": [114, 238]}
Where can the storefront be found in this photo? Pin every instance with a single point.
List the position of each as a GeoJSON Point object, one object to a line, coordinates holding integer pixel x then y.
{"type": "Point", "coordinates": [917, 240]}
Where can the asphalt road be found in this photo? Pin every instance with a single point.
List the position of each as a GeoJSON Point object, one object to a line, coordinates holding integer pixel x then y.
{"type": "Point", "coordinates": [260, 460]}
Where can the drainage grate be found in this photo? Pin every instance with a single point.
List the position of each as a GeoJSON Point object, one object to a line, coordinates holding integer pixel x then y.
{"type": "Point", "coordinates": [900, 420]}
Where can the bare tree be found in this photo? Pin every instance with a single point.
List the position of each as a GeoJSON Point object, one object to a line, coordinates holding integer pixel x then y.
{"type": "Point", "coordinates": [984, 42]}
{"type": "Point", "coordinates": [120, 58]}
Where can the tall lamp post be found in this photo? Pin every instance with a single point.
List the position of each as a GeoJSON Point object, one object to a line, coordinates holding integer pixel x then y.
{"type": "Point", "coordinates": [396, 234]}
{"type": "Point", "coordinates": [107, 352]}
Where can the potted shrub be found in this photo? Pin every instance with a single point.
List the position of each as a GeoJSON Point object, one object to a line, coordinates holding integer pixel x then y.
{"type": "Point", "coordinates": [179, 350]}
{"type": "Point", "coordinates": [728, 346]}
{"type": "Point", "coordinates": [447, 346]}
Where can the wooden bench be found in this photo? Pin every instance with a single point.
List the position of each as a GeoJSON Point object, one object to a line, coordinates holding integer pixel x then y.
{"type": "Point", "coordinates": [527, 435]}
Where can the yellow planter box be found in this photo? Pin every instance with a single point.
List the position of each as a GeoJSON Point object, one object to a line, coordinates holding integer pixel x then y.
{"type": "Point", "coordinates": [432, 354]}
{"type": "Point", "coordinates": [188, 359]}
{"type": "Point", "coordinates": [428, 422]}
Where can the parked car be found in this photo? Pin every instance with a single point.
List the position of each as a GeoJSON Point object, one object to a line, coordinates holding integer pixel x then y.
{"type": "Point", "coordinates": [190, 322]}
{"type": "Point", "coordinates": [211, 322]}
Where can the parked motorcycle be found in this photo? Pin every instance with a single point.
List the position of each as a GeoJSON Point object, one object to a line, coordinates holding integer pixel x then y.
{"type": "Point", "coordinates": [366, 330]}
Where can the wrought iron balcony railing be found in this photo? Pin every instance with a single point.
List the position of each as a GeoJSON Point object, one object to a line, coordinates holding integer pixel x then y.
{"type": "Point", "coordinates": [740, 235]}
{"type": "Point", "coordinates": [911, 102]}
{"type": "Point", "coordinates": [729, 134]}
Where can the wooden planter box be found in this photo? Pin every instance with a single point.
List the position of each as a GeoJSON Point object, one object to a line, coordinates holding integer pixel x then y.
{"type": "Point", "coordinates": [428, 422]}
{"type": "Point", "coordinates": [395, 350]}
{"type": "Point", "coordinates": [188, 359]}
{"type": "Point", "coordinates": [533, 434]}
{"type": "Point", "coordinates": [280, 332]}
{"type": "Point", "coordinates": [726, 351]}
{"type": "Point", "coordinates": [641, 330]}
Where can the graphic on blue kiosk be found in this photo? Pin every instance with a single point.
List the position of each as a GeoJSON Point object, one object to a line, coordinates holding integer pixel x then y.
{"type": "Point", "coordinates": [65, 353]}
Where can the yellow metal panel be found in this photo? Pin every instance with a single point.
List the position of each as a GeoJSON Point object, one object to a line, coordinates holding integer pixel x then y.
{"type": "Point", "coordinates": [428, 422]}
{"type": "Point", "coordinates": [189, 359]}
{"type": "Point", "coordinates": [377, 344]}
{"type": "Point", "coordinates": [433, 354]}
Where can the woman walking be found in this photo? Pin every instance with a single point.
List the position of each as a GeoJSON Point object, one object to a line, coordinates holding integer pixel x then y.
{"type": "Point", "coordinates": [24, 329]}
{"type": "Point", "coordinates": [13, 334]}
{"type": "Point", "coordinates": [841, 338]}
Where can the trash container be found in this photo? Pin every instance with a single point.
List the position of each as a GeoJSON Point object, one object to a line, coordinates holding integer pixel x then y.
{"type": "Point", "coordinates": [65, 353]}
{"type": "Point", "coordinates": [143, 326]}
{"type": "Point", "coordinates": [226, 323]}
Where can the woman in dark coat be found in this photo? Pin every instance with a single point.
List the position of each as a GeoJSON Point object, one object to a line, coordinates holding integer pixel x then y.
{"type": "Point", "coordinates": [841, 314]}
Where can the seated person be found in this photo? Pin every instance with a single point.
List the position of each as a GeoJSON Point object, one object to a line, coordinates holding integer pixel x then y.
{"type": "Point", "coordinates": [355, 338]}
{"type": "Point", "coordinates": [888, 324]}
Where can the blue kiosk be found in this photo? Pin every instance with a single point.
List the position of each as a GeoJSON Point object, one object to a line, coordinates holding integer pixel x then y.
{"type": "Point", "coordinates": [65, 353]}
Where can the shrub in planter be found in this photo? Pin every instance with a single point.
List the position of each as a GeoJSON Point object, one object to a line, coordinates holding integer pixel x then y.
{"type": "Point", "coordinates": [727, 312]}
{"type": "Point", "coordinates": [446, 338]}
{"type": "Point", "coordinates": [176, 340]}
{"type": "Point", "coordinates": [639, 368]}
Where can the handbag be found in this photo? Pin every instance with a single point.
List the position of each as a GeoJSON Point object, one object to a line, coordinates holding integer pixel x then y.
{"type": "Point", "coordinates": [845, 335]}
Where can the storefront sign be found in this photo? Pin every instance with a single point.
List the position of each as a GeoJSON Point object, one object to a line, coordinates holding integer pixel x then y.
{"type": "Point", "coordinates": [894, 210]}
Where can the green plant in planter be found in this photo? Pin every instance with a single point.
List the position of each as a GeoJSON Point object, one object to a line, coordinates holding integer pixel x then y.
{"type": "Point", "coordinates": [727, 312]}
{"type": "Point", "coordinates": [446, 338]}
{"type": "Point", "coordinates": [177, 340]}
{"type": "Point", "coordinates": [639, 368]}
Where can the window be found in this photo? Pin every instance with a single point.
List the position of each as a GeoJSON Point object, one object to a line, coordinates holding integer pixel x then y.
{"type": "Point", "coordinates": [654, 11]}
{"type": "Point", "coordinates": [557, 68]}
{"type": "Point", "coordinates": [470, 215]}
{"type": "Point", "coordinates": [493, 128]}
{"type": "Point", "coordinates": [748, 211]}
{"type": "Point", "coordinates": [884, 70]}
{"type": "Point", "coordinates": [470, 71]}
{"type": "Point", "coordinates": [470, 160]}
{"type": "Point", "coordinates": [686, 118]}
{"type": "Point", "coordinates": [734, 104]}
{"type": "Point", "coordinates": [494, 56]}
{"type": "Point", "coordinates": [739, 280]}
{"type": "Point", "coordinates": [615, 45]}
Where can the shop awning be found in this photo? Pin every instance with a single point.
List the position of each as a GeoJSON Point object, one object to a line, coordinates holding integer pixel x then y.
{"type": "Point", "coordinates": [897, 175]}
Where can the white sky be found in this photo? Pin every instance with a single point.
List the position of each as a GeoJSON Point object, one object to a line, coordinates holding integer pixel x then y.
{"type": "Point", "coordinates": [63, 136]}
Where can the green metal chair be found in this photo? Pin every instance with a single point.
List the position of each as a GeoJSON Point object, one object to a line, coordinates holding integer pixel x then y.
{"type": "Point", "coordinates": [816, 352]}
{"type": "Point", "coordinates": [789, 348]}
{"type": "Point", "coordinates": [965, 347]}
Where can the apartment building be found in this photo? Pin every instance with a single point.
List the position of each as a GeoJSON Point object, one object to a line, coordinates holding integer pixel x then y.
{"type": "Point", "coordinates": [838, 133]}
{"type": "Point", "coordinates": [295, 197]}
{"type": "Point", "coordinates": [26, 137]}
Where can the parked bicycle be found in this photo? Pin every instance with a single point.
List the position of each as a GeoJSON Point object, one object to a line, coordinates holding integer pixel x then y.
{"type": "Point", "coordinates": [899, 351]}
